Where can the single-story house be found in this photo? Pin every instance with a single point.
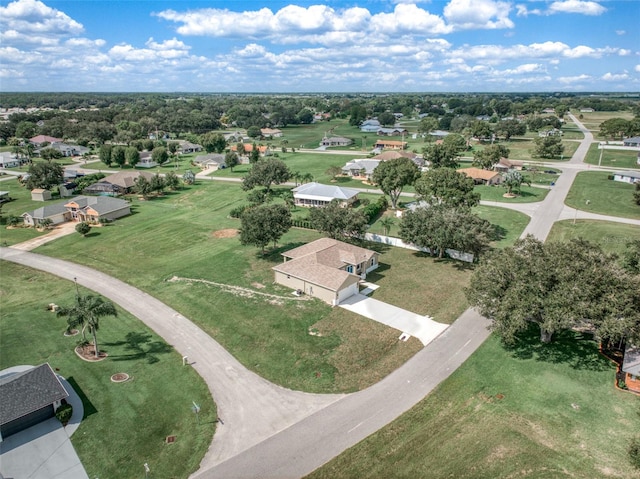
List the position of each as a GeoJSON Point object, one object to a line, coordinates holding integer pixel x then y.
{"type": "Point", "coordinates": [391, 131]}
{"type": "Point", "coordinates": [482, 177]}
{"type": "Point", "coordinates": [549, 111]}
{"type": "Point", "coordinates": [633, 141]}
{"type": "Point", "coordinates": [586, 110]}
{"type": "Point", "coordinates": [40, 194]}
{"type": "Point", "coordinates": [506, 164]}
{"type": "Point", "coordinates": [69, 150]}
{"type": "Point", "coordinates": [390, 145]}
{"type": "Point", "coordinates": [188, 147]}
{"type": "Point", "coordinates": [118, 183]}
{"type": "Point", "coordinates": [370, 126]}
{"type": "Point", "coordinates": [4, 197]}
{"type": "Point", "coordinates": [248, 148]}
{"type": "Point", "coordinates": [361, 168]}
{"type": "Point", "coordinates": [271, 132]}
{"type": "Point", "coordinates": [146, 160]}
{"type": "Point", "coordinates": [335, 141]}
{"type": "Point", "coordinates": [28, 398]}
{"type": "Point", "coordinates": [396, 154]}
{"type": "Point", "coordinates": [631, 368]}
{"type": "Point", "coordinates": [40, 140]}
{"type": "Point", "coordinates": [551, 132]}
{"type": "Point", "coordinates": [326, 269]}
{"type": "Point", "coordinates": [91, 209]}
{"type": "Point", "coordinates": [627, 176]}
{"type": "Point", "coordinates": [211, 161]}
{"type": "Point", "coordinates": [316, 194]}
{"type": "Point", "coordinates": [9, 160]}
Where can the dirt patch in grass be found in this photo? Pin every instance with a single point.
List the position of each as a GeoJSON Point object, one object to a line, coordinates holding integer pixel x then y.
{"type": "Point", "coordinates": [226, 233]}
{"type": "Point", "coordinates": [88, 353]}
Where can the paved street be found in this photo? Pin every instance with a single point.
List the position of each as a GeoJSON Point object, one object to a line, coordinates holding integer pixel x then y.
{"type": "Point", "coordinates": [271, 432]}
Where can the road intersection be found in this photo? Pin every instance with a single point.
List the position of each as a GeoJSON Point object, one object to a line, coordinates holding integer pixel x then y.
{"type": "Point", "coordinates": [269, 431]}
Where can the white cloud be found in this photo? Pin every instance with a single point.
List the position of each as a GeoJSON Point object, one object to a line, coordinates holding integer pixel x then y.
{"type": "Point", "coordinates": [615, 77]}
{"type": "Point", "coordinates": [407, 18]}
{"type": "Point", "coordinates": [577, 6]}
{"type": "Point", "coordinates": [34, 17]}
{"type": "Point", "coordinates": [637, 68]}
{"type": "Point", "coordinates": [564, 6]}
{"type": "Point", "coordinates": [574, 79]}
{"type": "Point", "coordinates": [468, 14]}
{"type": "Point", "coordinates": [621, 32]}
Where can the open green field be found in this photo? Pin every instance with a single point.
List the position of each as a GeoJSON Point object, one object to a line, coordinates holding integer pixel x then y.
{"type": "Point", "coordinates": [522, 149]}
{"type": "Point", "coordinates": [593, 120]}
{"type": "Point", "coordinates": [177, 235]}
{"type": "Point", "coordinates": [528, 194]}
{"type": "Point", "coordinates": [125, 424]}
{"type": "Point", "coordinates": [535, 411]}
{"type": "Point", "coordinates": [613, 158]}
{"type": "Point", "coordinates": [612, 237]}
{"type": "Point", "coordinates": [592, 191]}
{"type": "Point", "coordinates": [315, 164]}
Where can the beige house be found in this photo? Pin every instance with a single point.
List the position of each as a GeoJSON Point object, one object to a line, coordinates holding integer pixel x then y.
{"type": "Point", "coordinates": [91, 209]}
{"type": "Point", "coordinates": [482, 177]}
{"type": "Point", "coordinates": [505, 165]}
{"type": "Point", "coordinates": [326, 269]}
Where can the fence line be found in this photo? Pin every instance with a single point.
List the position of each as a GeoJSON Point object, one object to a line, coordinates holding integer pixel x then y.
{"type": "Point", "coordinates": [390, 240]}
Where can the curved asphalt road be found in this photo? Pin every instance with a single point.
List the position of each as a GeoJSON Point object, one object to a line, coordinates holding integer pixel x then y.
{"type": "Point", "coordinates": [251, 407]}
{"type": "Point", "coordinates": [278, 433]}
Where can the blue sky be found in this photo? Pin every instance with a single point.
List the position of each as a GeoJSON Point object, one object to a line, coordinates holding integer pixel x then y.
{"type": "Point", "coordinates": [309, 46]}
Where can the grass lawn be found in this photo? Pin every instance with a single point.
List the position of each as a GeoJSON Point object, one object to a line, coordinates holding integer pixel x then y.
{"type": "Point", "coordinates": [125, 424]}
{"type": "Point", "coordinates": [510, 223]}
{"type": "Point", "coordinates": [537, 411]}
{"type": "Point", "coordinates": [176, 235]}
{"type": "Point", "coordinates": [314, 163]}
{"type": "Point", "coordinates": [593, 120]}
{"type": "Point", "coordinates": [592, 191]}
{"type": "Point", "coordinates": [613, 158]}
{"type": "Point", "coordinates": [522, 149]}
{"type": "Point", "coordinates": [528, 194]}
{"type": "Point", "coordinates": [613, 237]}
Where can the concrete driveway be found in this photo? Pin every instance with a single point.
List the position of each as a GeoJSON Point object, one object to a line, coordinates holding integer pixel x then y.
{"type": "Point", "coordinates": [44, 451]}
{"type": "Point", "coordinates": [422, 327]}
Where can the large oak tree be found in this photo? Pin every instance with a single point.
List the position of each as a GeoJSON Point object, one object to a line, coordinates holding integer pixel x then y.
{"type": "Point", "coordinates": [392, 176]}
{"type": "Point", "coordinates": [556, 286]}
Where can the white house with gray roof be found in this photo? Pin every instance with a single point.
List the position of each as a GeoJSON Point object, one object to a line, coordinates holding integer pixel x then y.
{"type": "Point", "coordinates": [316, 194]}
{"type": "Point", "coordinates": [362, 168]}
{"type": "Point", "coordinates": [627, 176]}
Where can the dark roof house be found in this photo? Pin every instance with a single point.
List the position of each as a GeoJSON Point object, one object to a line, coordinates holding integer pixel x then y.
{"type": "Point", "coordinates": [29, 397]}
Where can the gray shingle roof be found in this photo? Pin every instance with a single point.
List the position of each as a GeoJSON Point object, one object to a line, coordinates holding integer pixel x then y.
{"type": "Point", "coordinates": [26, 392]}
{"type": "Point", "coordinates": [47, 211]}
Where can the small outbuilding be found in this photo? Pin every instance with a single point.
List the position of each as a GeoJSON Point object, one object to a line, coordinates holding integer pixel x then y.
{"type": "Point", "coordinates": [28, 398]}
{"type": "Point", "coordinates": [40, 194]}
{"type": "Point", "coordinates": [627, 176]}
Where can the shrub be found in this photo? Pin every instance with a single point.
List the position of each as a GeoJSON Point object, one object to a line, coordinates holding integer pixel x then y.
{"type": "Point", "coordinates": [64, 413]}
{"type": "Point", "coordinates": [237, 211]}
{"type": "Point", "coordinates": [634, 452]}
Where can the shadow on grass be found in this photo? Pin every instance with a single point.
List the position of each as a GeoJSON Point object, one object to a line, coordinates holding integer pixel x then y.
{"type": "Point", "coordinates": [579, 350]}
{"type": "Point", "coordinates": [92, 234]}
{"type": "Point", "coordinates": [89, 408]}
{"type": "Point", "coordinates": [141, 347]}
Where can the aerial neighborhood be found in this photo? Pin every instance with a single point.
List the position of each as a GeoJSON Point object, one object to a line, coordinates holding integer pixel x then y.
{"type": "Point", "coordinates": [327, 255]}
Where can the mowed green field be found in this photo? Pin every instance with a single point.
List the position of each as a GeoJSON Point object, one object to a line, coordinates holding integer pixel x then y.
{"type": "Point", "coordinates": [612, 237]}
{"type": "Point", "coordinates": [613, 158]}
{"type": "Point", "coordinates": [592, 120]}
{"type": "Point", "coordinates": [125, 424]}
{"type": "Point", "coordinates": [534, 411]}
{"type": "Point", "coordinates": [189, 234]}
{"type": "Point", "coordinates": [592, 191]}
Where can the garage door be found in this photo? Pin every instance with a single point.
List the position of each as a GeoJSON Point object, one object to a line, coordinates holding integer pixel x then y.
{"type": "Point", "coordinates": [29, 420]}
{"type": "Point", "coordinates": [347, 292]}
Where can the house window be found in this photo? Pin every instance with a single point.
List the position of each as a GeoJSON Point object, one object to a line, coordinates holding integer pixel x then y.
{"type": "Point", "coordinates": [350, 269]}
{"type": "Point", "coordinates": [288, 277]}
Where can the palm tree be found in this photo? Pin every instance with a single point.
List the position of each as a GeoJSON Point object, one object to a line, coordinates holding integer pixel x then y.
{"type": "Point", "coordinates": [86, 313]}
{"type": "Point", "coordinates": [307, 178]}
{"type": "Point", "coordinates": [386, 222]}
